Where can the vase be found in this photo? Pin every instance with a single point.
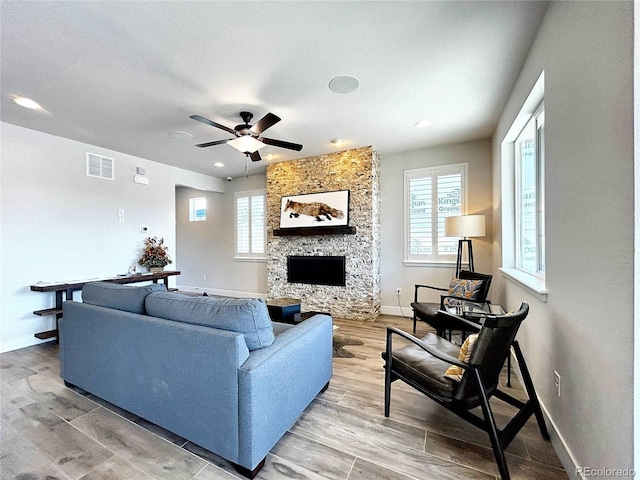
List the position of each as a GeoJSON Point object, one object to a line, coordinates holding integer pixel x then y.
{"type": "Point", "coordinates": [156, 269]}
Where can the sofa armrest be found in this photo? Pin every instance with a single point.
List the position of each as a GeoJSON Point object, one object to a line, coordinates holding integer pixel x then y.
{"type": "Point", "coordinates": [278, 382]}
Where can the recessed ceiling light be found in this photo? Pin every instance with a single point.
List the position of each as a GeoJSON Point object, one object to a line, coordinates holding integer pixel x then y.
{"type": "Point", "coordinates": [269, 156]}
{"type": "Point", "coordinates": [337, 142]}
{"type": "Point", "coordinates": [27, 103]}
{"type": "Point", "coordinates": [344, 84]}
{"type": "Point", "coordinates": [180, 135]}
{"type": "Point", "coordinates": [423, 123]}
{"type": "Point", "coordinates": [218, 164]}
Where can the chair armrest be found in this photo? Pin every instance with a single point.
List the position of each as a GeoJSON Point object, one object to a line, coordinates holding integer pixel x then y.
{"type": "Point", "coordinates": [457, 322]}
{"type": "Point", "coordinates": [415, 295]}
{"type": "Point", "coordinates": [430, 350]}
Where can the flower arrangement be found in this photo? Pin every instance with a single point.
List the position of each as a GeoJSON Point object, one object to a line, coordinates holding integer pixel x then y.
{"type": "Point", "coordinates": [154, 253]}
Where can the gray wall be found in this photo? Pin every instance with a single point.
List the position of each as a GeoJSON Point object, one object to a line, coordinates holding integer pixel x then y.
{"type": "Point", "coordinates": [393, 272]}
{"type": "Point", "coordinates": [585, 328]}
{"type": "Point", "coordinates": [207, 247]}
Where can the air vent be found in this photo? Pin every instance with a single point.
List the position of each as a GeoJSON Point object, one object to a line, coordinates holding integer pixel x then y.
{"type": "Point", "coordinates": [98, 166]}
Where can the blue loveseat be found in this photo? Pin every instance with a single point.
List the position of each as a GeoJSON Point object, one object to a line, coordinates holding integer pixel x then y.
{"type": "Point", "coordinates": [215, 371]}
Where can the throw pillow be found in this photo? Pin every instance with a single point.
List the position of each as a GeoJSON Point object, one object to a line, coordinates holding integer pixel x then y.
{"type": "Point", "coordinates": [454, 372]}
{"type": "Point", "coordinates": [467, 289]}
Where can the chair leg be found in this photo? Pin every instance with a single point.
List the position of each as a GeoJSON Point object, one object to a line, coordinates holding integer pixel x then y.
{"type": "Point", "coordinates": [387, 375]}
{"type": "Point", "coordinates": [415, 320]}
{"type": "Point", "coordinates": [492, 430]}
{"type": "Point", "coordinates": [531, 392]}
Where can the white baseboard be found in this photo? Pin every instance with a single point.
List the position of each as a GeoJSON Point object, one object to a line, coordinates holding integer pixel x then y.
{"type": "Point", "coordinates": [559, 444]}
{"type": "Point", "coordinates": [395, 310]}
{"type": "Point", "coordinates": [224, 293]}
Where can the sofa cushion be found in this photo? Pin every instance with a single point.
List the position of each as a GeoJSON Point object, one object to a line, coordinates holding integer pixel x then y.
{"type": "Point", "coordinates": [119, 297]}
{"type": "Point", "coordinates": [248, 316]}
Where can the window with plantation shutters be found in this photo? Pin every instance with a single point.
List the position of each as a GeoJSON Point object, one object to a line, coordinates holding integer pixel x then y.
{"type": "Point", "coordinates": [250, 224]}
{"type": "Point", "coordinates": [431, 194]}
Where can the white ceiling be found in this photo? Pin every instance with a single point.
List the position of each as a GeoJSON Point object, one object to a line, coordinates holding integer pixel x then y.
{"type": "Point", "coordinates": [122, 75]}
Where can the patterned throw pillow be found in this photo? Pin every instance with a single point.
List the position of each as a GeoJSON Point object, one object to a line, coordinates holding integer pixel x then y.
{"type": "Point", "coordinates": [467, 289]}
{"type": "Point", "coordinates": [454, 372]}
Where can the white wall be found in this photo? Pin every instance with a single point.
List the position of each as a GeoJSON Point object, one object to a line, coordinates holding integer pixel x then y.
{"type": "Point", "coordinates": [585, 329]}
{"type": "Point", "coordinates": [393, 272]}
{"type": "Point", "coordinates": [59, 224]}
{"type": "Point", "coordinates": [207, 247]}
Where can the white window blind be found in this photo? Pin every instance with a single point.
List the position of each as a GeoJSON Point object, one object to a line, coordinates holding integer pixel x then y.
{"type": "Point", "coordinates": [250, 223]}
{"type": "Point", "coordinates": [431, 194]}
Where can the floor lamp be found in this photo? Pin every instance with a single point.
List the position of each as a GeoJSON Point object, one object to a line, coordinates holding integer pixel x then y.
{"type": "Point", "coordinates": [464, 226]}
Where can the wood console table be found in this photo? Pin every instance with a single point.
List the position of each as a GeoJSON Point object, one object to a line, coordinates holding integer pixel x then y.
{"type": "Point", "coordinates": [69, 287]}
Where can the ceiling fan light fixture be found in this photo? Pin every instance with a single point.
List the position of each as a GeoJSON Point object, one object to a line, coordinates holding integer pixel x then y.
{"type": "Point", "coordinates": [246, 143]}
{"type": "Point", "coordinates": [338, 142]}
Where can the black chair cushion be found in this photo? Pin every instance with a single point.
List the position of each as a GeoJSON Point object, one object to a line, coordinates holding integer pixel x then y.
{"type": "Point", "coordinates": [416, 365]}
{"type": "Point", "coordinates": [427, 312]}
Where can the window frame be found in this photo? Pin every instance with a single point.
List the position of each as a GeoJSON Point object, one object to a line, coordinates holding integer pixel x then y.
{"type": "Point", "coordinates": [434, 259]}
{"type": "Point", "coordinates": [532, 283]}
{"type": "Point", "coordinates": [536, 125]}
{"type": "Point", "coordinates": [193, 216]}
{"type": "Point", "coordinates": [253, 254]}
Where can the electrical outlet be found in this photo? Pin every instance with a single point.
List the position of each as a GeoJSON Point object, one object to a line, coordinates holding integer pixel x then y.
{"type": "Point", "coordinates": [556, 382]}
{"type": "Point", "coordinates": [398, 291]}
{"type": "Point", "coordinates": [204, 278]}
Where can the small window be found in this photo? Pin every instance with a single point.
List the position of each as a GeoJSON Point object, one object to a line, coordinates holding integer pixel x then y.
{"type": "Point", "coordinates": [197, 209]}
{"type": "Point", "coordinates": [431, 194]}
{"type": "Point", "coordinates": [250, 210]}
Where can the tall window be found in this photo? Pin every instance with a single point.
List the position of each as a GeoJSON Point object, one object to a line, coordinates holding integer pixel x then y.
{"type": "Point", "coordinates": [431, 194]}
{"type": "Point", "coordinates": [197, 209]}
{"type": "Point", "coordinates": [529, 195]}
{"type": "Point", "coordinates": [250, 223]}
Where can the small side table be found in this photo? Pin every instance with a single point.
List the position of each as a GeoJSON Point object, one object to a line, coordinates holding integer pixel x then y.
{"type": "Point", "coordinates": [283, 309]}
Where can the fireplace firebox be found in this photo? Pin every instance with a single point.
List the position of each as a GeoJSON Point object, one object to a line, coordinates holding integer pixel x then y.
{"type": "Point", "coordinates": [317, 270]}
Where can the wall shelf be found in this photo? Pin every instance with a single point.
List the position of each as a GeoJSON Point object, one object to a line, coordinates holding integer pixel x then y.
{"type": "Point", "coordinates": [303, 231]}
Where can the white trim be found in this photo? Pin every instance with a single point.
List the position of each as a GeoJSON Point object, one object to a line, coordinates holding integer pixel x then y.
{"type": "Point", "coordinates": [224, 293]}
{"type": "Point", "coordinates": [557, 440]}
{"type": "Point", "coordinates": [250, 259]}
{"type": "Point", "coordinates": [534, 285]}
{"type": "Point", "coordinates": [421, 263]}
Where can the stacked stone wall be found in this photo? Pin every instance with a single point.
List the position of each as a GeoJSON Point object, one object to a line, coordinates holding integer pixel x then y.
{"type": "Point", "coordinates": [355, 170]}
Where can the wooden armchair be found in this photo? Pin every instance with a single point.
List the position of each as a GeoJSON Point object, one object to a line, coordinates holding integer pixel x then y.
{"type": "Point", "coordinates": [424, 363]}
{"type": "Point", "coordinates": [427, 311]}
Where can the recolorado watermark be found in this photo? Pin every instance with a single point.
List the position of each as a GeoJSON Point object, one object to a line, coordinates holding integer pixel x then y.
{"type": "Point", "coordinates": [592, 472]}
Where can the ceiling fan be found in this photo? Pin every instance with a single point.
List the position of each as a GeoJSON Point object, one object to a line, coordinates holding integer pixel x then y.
{"type": "Point", "coordinates": [247, 137]}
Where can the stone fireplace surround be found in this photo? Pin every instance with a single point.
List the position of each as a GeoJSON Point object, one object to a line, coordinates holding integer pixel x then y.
{"type": "Point", "coordinates": [355, 170]}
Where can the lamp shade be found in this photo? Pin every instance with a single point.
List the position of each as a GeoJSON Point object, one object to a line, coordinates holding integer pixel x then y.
{"type": "Point", "coordinates": [464, 226]}
{"type": "Point", "coordinates": [246, 143]}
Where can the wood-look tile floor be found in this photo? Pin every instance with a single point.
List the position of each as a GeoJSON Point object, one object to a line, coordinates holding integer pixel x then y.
{"type": "Point", "coordinates": [48, 431]}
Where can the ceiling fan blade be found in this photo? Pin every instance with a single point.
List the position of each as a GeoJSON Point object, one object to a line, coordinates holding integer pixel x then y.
{"type": "Point", "coordinates": [269, 120]}
{"type": "Point", "coordinates": [255, 156]}
{"type": "Point", "coordinates": [213, 124]}
{"type": "Point", "coordinates": [211, 144]}
{"type": "Point", "coordinates": [281, 143]}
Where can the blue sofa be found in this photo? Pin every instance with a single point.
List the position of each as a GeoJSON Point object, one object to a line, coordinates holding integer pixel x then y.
{"type": "Point", "coordinates": [215, 371]}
